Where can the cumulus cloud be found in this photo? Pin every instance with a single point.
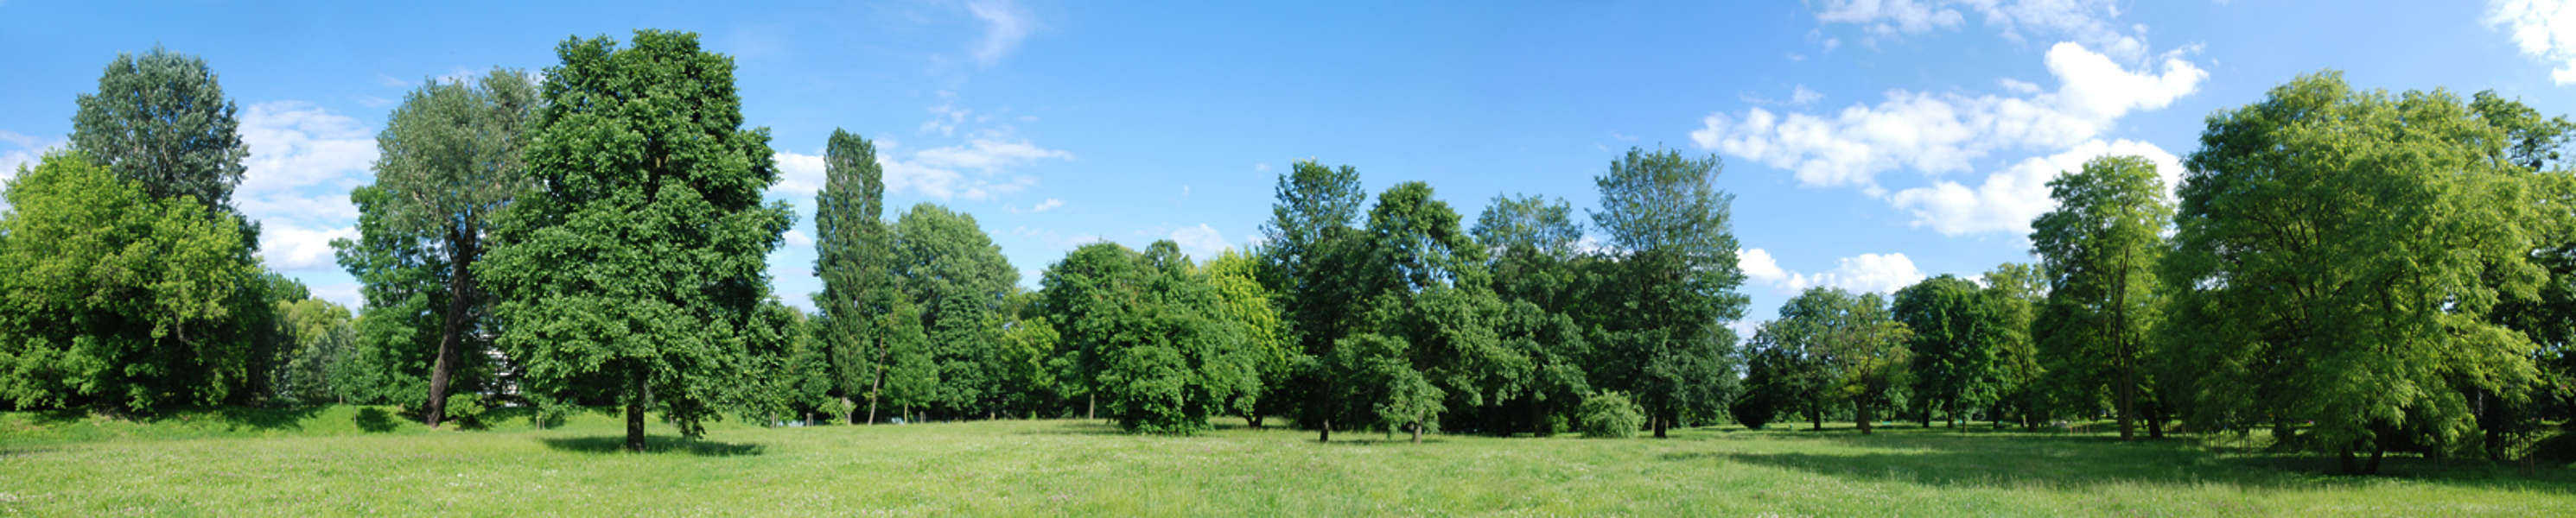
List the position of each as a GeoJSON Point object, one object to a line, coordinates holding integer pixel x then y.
{"type": "Point", "coordinates": [1868, 273]}
{"type": "Point", "coordinates": [1939, 133]}
{"type": "Point", "coordinates": [798, 174]}
{"type": "Point", "coordinates": [798, 238]}
{"type": "Point", "coordinates": [288, 247]}
{"type": "Point", "coordinates": [1049, 204]}
{"type": "Point", "coordinates": [1890, 16]}
{"type": "Point", "coordinates": [2543, 29]}
{"type": "Point", "coordinates": [2010, 198]}
{"type": "Point", "coordinates": [1005, 24]}
{"type": "Point", "coordinates": [22, 151]}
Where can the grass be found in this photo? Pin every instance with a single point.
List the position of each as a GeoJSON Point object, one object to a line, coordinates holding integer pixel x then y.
{"type": "Point", "coordinates": [332, 461]}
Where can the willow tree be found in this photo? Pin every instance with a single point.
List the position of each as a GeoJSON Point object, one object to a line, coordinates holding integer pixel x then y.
{"type": "Point", "coordinates": [448, 160]}
{"type": "Point", "coordinates": [2336, 253]}
{"type": "Point", "coordinates": [632, 266]}
{"type": "Point", "coordinates": [2100, 247]}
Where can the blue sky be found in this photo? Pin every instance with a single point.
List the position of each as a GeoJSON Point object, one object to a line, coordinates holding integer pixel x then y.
{"type": "Point", "coordinates": [1868, 143]}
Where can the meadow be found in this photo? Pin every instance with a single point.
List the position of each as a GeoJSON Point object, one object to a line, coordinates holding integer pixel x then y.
{"type": "Point", "coordinates": [352, 460]}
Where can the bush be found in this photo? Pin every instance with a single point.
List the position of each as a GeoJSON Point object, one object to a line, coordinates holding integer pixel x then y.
{"type": "Point", "coordinates": [1754, 410]}
{"type": "Point", "coordinates": [1610, 415]}
{"type": "Point", "coordinates": [466, 409]}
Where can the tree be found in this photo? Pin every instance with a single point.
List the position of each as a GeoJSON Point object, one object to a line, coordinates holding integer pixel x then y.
{"type": "Point", "coordinates": [448, 160]}
{"type": "Point", "coordinates": [1308, 257]}
{"type": "Point", "coordinates": [2012, 294]}
{"type": "Point", "coordinates": [110, 297]}
{"type": "Point", "coordinates": [1088, 296]}
{"type": "Point", "coordinates": [1668, 230]}
{"type": "Point", "coordinates": [1537, 270]}
{"type": "Point", "coordinates": [1833, 345]}
{"type": "Point", "coordinates": [320, 345]}
{"type": "Point", "coordinates": [853, 254]}
{"type": "Point", "coordinates": [632, 267]}
{"type": "Point", "coordinates": [161, 121]}
{"type": "Point", "coordinates": [2336, 253]}
{"type": "Point", "coordinates": [948, 267]}
{"type": "Point", "coordinates": [2100, 248]}
{"type": "Point", "coordinates": [1377, 371]}
{"type": "Point", "coordinates": [1954, 354]}
{"type": "Point", "coordinates": [1151, 337]}
{"type": "Point", "coordinates": [1236, 279]}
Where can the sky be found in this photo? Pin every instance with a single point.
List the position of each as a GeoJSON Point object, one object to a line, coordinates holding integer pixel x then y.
{"type": "Point", "coordinates": [1868, 144]}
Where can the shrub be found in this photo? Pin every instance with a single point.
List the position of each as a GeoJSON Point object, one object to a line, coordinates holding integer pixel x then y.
{"type": "Point", "coordinates": [466, 409]}
{"type": "Point", "coordinates": [1610, 415]}
{"type": "Point", "coordinates": [1754, 410]}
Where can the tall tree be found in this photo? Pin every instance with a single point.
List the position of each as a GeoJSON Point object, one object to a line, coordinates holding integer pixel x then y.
{"type": "Point", "coordinates": [161, 120]}
{"type": "Point", "coordinates": [948, 267]}
{"type": "Point", "coordinates": [1954, 354]}
{"type": "Point", "coordinates": [448, 160]}
{"type": "Point", "coordinates": [2100, 248]}
{"type": "Point", "coordinates": [1836, 346]}
{"type": "Point", "coordinates": [1308, 257]}
{"type": "Point", "coordinates": [1668, 229]}
{"type": "Point", "coordinates": [634, 264]}
{"type": "Point", "coordinates": [1236, 279]}
{"type": "Point", "coordinates": [113, 298]}
{"type": "Point", "coordinates": [2012, 294]}
{"type": "Point", "coordinates": [853, 255]}
{"type": "Point", "coordinates": [2336, 253]}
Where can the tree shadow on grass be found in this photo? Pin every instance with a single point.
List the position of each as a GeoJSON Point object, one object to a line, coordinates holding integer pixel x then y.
{"type": "Point", "coordinates": [1940, 459]}
{"type": "Point", "coordinates": [1078, 427]}
{"type": "Point", "coordinates": [654, 444]}
{"type": "Point", "coordinates": [262, 419]}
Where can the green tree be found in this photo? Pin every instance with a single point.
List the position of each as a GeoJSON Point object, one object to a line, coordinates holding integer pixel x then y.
{"type": "Point", "coordinates": [1089, 296]}
{"type": "Point", "coordinates": [1537, 269]}
{"type": "Point", "coordinates": [161, 121]}
{"type": "Point", "coordinates": [2100, 248]}
{"type": "Point", "coordinates": [322, 343]}
{"type": "Point", "coordinates": [2012, 295]}
{"type": "Point", "coordinates": [1667, 227]}
{"type": "Point", "coordinates": [448, 160]}
{"type": "Point", "coordinates": [1954, 354]}
{"type": "Point", "coordinates": [1309, 257]}
{"type": "Point", "coordinates": [949, 268]}
{"type": "Point", "coordinates": [1236, 278]}
{"type": "Point", "coordinates": [854, 255]}
{"type": "Point", "coordinates": [2337, 251]}
{"type": "Point", "coordinates": [634, 265]}
{"type": "Point", "coordinates": [110, 297]}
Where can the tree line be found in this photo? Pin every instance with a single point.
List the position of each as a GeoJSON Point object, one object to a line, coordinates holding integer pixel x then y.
{"type": "Point", "coordinates": [2352, 271]}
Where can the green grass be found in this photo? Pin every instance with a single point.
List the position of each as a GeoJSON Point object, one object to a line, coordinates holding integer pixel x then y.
{"type": "Point", "coordinates": [326, 462]}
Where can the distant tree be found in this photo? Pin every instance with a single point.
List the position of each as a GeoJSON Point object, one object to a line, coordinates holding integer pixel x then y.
{"type": "Point", "coordinates": [1376, 373]}
{"type": "Point", "coordinates": [448, 161]}
{"type": "Point", "coordinates": [2100, 247]}
{"type": "Point", "coordinates": [633, 266]}
{"type": "Point", "coordinates": [161, 121]}
{"type": "Point", "coordinates": [1668, 231]}
{"type": "Point", "coordinates": [2536, 146]}
{"type": "Point", "coordinates": [1236, 279]}
{"type": "Point", "coordinates": [1089, 295]}
{"type": "Point", "coordinates": [322, 344]}
{"type": "Point", "coordinates": [113, 298]}
{"type": "Point", "coordinates": [1030, 347]}
{"type": "Point", "coordinates": [1537, 269]}
{"type": "Point", "coordinates": [2337, 252]}
{"type": "Point", "coordinates": [1954, 354]}
{"type": "Point", "coordinates": [2011, 297]}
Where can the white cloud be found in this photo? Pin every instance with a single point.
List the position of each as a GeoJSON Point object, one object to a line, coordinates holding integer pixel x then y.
{"type": "Point", "coordinates": [798, 174]}
{"type": "Point", "coordinates": [1868, 273]}
{"type": "Point", "coordinates": [2083, 21]}
{"type": "Point", "coordinates": [287, 247]}
{"type": "Point", "coordinates": [2010, 198]}
{"type": "Point", "coordinates": [1889, 17]}
{"type": "Point", "coordinates": [28, 151]}
{"type": "Point", "coordinates": [1261, 167]}
{"type": "Point", "coordinates": [294, 145]}
{"type": "Point", "coordinates": [1049, 204]}
{"type": "Point", "coordinates": [1005, 24]}
{"type": "Point", "coordinates": [1938, 133]}
{"type": "Point", "coordinates": [987, 154]}
{"type": "Point", "coordinates": [1201, 242]}
{"type": "Point", "coordinates": [2544, 29]}
{"type": "Point", "coordinates": [944, 119]}
{"type": "Point", "coordinates": [1801, 96]}
{"type": "Point", "coordinates": [799, 239]}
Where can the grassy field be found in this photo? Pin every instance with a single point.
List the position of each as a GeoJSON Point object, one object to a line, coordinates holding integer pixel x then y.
{"type": "Point", "coordinates": [347, 460]}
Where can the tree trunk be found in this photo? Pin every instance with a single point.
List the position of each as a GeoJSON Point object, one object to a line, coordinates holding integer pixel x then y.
{"type": "Point", "coordinates": [452, 326]}
{"type": "Point", "coordinates": [1816, 417]}
{"type": "Point", "coordinates": [2124, 357]}
{"type": "Point", "coordinates": [1325, 433]}
{"type": "Point", "coordinates": [1090, 406]}
{"type": "Point", "coordinates": [1860, 415]}
{"type": "Point", "coordinates": [2376, 452]}
{"type": "Point", "coordinates": [1659, 422]}
{"type": "Point", "coordinates": [635, 414]}
{"type": "Point", "coordinates": [1417, 434]}
{"type": "Point", "coordinates": [2155, 420]}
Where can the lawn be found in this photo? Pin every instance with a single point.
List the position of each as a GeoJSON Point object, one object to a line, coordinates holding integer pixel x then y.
{"type": "Point", "coordinates": [348, 460]}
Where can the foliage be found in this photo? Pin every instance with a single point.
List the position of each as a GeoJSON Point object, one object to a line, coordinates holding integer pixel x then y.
{"type": "Point", "coordinates": [946, 265]}
{"type": "Point", "coordinates": [1954, 352]}
{"type": "Point", "coordinates": [1311, 257]}
{"type": "Point", "coordinates": [161, 121]}
{"type": "Point", "coordinates": [114, 299]}
{"type": "Point", "coordinates": [1609, 415]}
{"type": "Point", "coordinates": [2336, 253]}
{"type": "Point", "coordinates": [634, 265]}
{"type": "Point", "coordinates": [2100, 247]}
{"type": "Point", "coordinates": [853, 254]}
{"type": "Point", "coordinates": [1668, 230]}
